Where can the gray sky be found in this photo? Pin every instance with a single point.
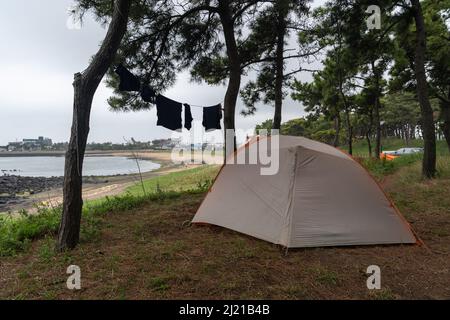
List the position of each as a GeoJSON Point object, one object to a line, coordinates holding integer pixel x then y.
{"type": "Point", "coordinates": [39, 55]}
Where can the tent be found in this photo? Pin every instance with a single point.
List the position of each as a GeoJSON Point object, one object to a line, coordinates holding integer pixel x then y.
{"type": "Point", "coordinates": [320, 196]}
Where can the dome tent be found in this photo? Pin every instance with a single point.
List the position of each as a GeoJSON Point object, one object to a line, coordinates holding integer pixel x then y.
{"type": "Point", "coordinates": [320, 196]}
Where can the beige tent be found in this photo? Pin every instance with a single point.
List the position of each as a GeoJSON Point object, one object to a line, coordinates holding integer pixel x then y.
{"type": "Point", "coordinates": [319, 197]}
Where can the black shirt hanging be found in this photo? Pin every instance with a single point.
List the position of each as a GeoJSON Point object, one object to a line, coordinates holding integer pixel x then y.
{"type": "Point", "coordinates": [128, 81]}
{"type": "Point", "coordinates": [211, 117]}
{"type": "Point", "coordinates": [169, 113]}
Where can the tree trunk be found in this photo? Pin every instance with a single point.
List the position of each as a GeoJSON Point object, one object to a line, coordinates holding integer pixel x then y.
{"type": "Point", "coordinates": [234, 82]}
{"type": "Point", "coordinates": [347, 117]}
{"type": "Point", "coordinates": [350, 132]}
{"type": "Point", "coordinates": [377, 109]}
{"type": "Point", "coordinates": [378, 127]}
{"type": "Point", "coordinates": [445, 114]}
{"type": "Point", "coordinates": [406, 134]}
{"type": "Point", "coordinates": [337, 129]}
{"type": "Point", "coordinates": [369, 143]}
{"type": "Point", "coordinates": [282, 8]}
{"type": "Point", "coordinates": [369, 134]}
{"type": "Point", "coordinates": [85, 85]}
{"type": "Point", "coordinates": [429, 130]}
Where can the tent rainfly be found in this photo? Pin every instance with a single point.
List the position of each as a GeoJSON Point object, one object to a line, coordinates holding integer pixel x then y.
{"type": "Point", "coordinates": [319, 197]}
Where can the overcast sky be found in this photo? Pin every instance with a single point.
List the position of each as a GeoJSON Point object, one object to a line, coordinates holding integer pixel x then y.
{"type": "Point", "coordinates": [40, 52]}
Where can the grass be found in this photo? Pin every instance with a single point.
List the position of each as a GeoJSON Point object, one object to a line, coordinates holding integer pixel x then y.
{"type": "Point", "coordinates": [16, 234]}
{"type": "Point", "coordinates": [137, 246]}
{"type": "Point", "coordinates": [159, 284]}
{"type": "Point", "coordinates": [413, 194]}
{"type": "Point", "coordinates": [383, 294]}
{"type": "Point", "coordinates": [360, 148]}
{"type": "Point", "coordinates": [382, 168]}
{"type": "Point", "coordinates": [150, 252]}
{"type": "Point", "coordinates": [196, 178]}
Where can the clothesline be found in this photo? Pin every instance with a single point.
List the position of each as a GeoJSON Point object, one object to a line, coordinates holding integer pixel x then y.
{"type": "Point", "coordinates": [169, 112]}
{"type": "Point", "coordinates": [197, 106]}
{"type": "Point", "coordinates": [130, 82]}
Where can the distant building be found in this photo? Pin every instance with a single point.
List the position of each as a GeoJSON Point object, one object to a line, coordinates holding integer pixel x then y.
{"type": "Point", "coordinates": [3, 148]}
{"type": "Point", "coordinates": [41, 143]}
{"type": "Point", "coordinates": [15, 146]}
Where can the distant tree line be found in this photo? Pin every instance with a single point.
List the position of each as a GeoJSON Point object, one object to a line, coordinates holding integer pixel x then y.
{"type": "Point", "coordinates": [400, 116]}
{"type": "Point", "coordinates": [110, 146]}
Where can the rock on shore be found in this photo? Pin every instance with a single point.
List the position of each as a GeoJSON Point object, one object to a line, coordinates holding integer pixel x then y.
{"type": "Point", "coordinates": [13, 189]}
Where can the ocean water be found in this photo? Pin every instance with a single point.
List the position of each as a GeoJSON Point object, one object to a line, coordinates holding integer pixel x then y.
{"type": "Point", "coordinates": [54, 166]}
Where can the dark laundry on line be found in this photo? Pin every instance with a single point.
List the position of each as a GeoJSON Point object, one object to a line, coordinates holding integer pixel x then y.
{"type": "Point", "coordinates": [211, 117]}
{"type": "Point", "coordinates": [148, 94]}
{"type": "Point", "coordinates": [128, 81]}
{"type": "Point", "coordinates": [169, 113]}
{"type": "Point", "coordinates": [187, 116]}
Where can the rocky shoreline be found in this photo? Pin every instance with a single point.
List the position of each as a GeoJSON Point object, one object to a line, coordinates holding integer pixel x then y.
{"type": "Point", "coordinates": [15, 189]}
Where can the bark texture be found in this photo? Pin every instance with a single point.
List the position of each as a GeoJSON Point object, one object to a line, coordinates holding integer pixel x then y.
{"type": "Point", "coordinates": [428, 127]}
{"type": "Point", "coordinates": [445, 113]}
{"type": "Point", "coordinates": [234, 82]}
{"type": "Point", "coordinates": [85, 85]}
{"type": "Point", "coordinates": [337, 128]}
{"type": "Point", "coordinates": [282, 11]}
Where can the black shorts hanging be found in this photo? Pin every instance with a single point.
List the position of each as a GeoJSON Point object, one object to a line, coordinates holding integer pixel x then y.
{"type": "Point", "coordinates": [187, 116]}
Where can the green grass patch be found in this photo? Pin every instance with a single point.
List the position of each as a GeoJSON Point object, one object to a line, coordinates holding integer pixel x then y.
{"type": "Point", "coordinates": [47, 250]}
{"type": "Point", "coordinates": [412, 193]}
{"type": "Point", "coordinates": [326, 277]}
{"type": "Point", "coordinates": [361, 149]}
{"type": "Point", "coordinates": [16, 233]}
{"type": "Point", "coordinates": [383, 294]}
{"type": "Point", "coordinates": [159, 284]}
{"type": "Point", "coordinates": [197, 178]}
{"type": "Point", "coordinates": [381, 168]}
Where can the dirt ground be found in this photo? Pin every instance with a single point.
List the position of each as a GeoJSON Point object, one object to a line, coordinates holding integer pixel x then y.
{"type": "Point", "coordinates": [153, 253]}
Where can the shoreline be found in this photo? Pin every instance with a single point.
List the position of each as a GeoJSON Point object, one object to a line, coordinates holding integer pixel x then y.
{"type": "Point", "coordinates": [155, 155]}
{"type": "Point", "coordinates": [24, 193]}
{"type": "Point", "coordinates": [93, 188]}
